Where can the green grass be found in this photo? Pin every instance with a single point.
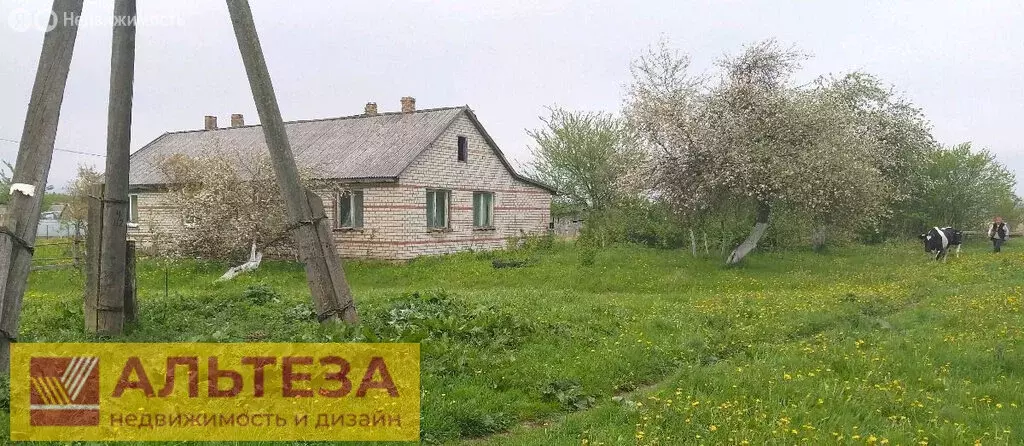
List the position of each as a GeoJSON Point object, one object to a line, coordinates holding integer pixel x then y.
{"type": "Point", "coordinates": [860, 345]}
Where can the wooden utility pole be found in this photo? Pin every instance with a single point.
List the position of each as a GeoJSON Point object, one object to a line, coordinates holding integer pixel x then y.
{"type": "Point", "coordinates": [93, 246]}
{"type": "Point", "coordinates": [32, 169]}
{"type": "Point", "coordinates": [332, 297]}
{"type": "Point", "coordinates": [105, 311]}
{"type": "Point", "coordinates": [131, 306]}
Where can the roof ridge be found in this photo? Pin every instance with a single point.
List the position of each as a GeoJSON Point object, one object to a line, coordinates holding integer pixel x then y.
{"type": "Point", "coordinates": [336, 118]}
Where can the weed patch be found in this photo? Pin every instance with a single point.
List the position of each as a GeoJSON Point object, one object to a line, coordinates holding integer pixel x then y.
{"type": "Point", "coordinates": [437, 315]}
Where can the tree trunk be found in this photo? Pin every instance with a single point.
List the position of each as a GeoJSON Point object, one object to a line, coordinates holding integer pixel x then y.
{"type": "Point", "coordinates": [818, 238]}
{"type": "Point", "coordinates": [693, 244]}
{"type": "Point", "coordinates": [748, 245]}
{"type": "Point", "coordinates": [721, 245]}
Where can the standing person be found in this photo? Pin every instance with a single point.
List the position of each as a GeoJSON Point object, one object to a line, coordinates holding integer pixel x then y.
{"type": "Point", "coordinates": [998, 233]}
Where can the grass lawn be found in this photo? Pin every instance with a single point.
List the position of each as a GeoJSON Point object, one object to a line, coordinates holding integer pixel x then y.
{"type": "Point", "coordinates": [860, 345]}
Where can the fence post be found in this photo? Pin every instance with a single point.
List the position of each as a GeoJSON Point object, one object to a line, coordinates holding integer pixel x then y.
{"type": "Point", "coordinates": [131, 309]}
{"type": "Point", "coordinates": [76, 245]}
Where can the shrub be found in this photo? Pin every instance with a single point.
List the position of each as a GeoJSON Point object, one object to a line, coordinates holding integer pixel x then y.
{"type": "Point", "coordinates": [437, 315]}
{"type": "Point", "coordinates": [261, 294]}
{"type": "Point", "coordinates": [5, 393]}
{"type": "Point", "coordinates": [567, 393]}
{"type": "Point", "coordinates": [587, 251]}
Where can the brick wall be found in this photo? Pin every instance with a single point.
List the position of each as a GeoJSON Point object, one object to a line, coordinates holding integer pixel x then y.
{"type": "Point", "coordinates": [158, 219]}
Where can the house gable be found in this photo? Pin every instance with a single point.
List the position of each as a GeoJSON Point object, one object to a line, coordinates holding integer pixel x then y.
{"type": "Point", "coordinates": [481, 147]}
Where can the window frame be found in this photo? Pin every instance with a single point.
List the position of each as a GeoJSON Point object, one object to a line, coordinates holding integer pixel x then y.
{"type": "Point", "coordinates": [133, 209]}
{"type": "Point", "coordinates": [431, 204]}
{"type": "Point", "coordinates": [462, 149]}
{"type": "Point", "coordinates": [356, 209]}
{"type": "Point", "coordinates": [478, 200]}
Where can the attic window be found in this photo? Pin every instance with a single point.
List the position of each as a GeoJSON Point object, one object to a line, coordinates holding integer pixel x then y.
{"type": "Point", "coordinates": [463, 149]}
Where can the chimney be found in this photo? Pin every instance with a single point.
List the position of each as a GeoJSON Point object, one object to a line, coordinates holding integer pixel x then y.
{"type": "Point", "coordinates": [237, 120]}
{"type": "Point", "coordinates": [370, 109]}
{"type": "Point", "coordinates": [408, 104]}
{"type": "Point", "coordinates": [211, 123]}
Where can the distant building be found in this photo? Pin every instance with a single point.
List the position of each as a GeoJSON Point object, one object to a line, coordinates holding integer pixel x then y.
{"type": "Point", "coordinates": [402, 184]}
{"type": "Point", "coordinates": [50, 224]}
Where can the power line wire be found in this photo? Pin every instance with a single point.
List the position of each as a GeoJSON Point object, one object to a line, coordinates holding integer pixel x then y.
{"type": "Point", "coordinates": [59, 149]}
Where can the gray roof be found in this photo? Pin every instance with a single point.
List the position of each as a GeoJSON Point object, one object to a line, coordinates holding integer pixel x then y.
{"type": "Point", "coordinates": [356, 148]}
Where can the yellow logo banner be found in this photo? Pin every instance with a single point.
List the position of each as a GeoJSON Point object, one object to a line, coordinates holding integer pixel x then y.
{"type": "Point", "coordinates": [229, 392]}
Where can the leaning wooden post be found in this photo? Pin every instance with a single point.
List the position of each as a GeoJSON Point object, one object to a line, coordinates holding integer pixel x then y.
{"type": "Point", "coordinates": [33, 167]}
{"type": "Point", "coordinates": [332, 297]}
{"type": "Point", "coordinates": [111, 278]}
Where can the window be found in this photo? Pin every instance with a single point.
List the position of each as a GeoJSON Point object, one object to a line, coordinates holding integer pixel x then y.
{"type": "Point", "coordinates": [437, 208]}
{"type": "Point", "coordinates": [463, 149]}
{"type": "Point", "coordinates": [133, 209]}
{"type": "Point", "coordinates": [483, 209]}
{"type": "Point", "coordinates": [350, 209]}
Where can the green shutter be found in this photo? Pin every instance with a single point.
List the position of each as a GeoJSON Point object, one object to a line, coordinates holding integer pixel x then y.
{"type": "Point", "coordinates": [357, 209]}
{"type": "Point", "coordinates": [337, 209]}
{"type": "Point", "coordinates": [346, 210]}
{"type": "Point", "coordinates": [133, 211]}
{"type": "Point", "coordinates": [488, 209]}
{"type": "Point", "coordinates": [430, 209]}
{"type": "Point", "coordinates": [442, 208]}
{"type": "Point", "coordinates": [476, 209]}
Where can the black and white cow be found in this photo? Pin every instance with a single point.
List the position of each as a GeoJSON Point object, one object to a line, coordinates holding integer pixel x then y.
{"type": "Point", "coordinates": [940, 240]}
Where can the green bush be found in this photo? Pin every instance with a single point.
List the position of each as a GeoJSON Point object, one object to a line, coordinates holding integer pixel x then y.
{"type": "Point", "coordinates": [261, 294]}
{"type": "Point", "coordinates": [5, 393]}
{"type": "Point", "coordinates": [568, 394]}
{"type": "Point", "coordinates": [437, 315]}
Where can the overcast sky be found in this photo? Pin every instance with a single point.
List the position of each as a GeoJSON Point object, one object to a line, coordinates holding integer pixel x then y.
{"type": "Point", "coordinates": [962, 62]}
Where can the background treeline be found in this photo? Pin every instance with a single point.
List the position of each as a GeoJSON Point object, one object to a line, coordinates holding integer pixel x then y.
{"type": "Point", "coordinates": [745, 157]}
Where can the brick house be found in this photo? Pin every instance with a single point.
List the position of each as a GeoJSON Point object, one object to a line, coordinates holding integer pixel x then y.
{"type": "Point", "coordinates": [397, 185]}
